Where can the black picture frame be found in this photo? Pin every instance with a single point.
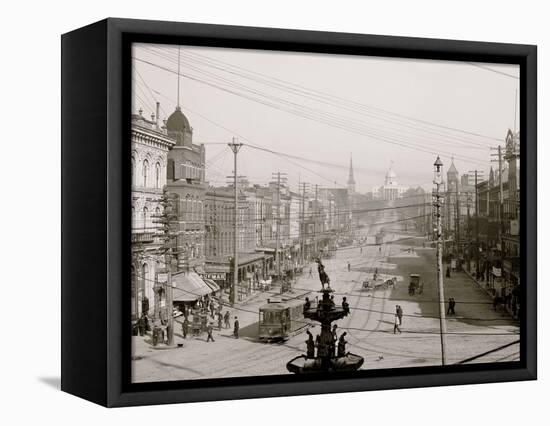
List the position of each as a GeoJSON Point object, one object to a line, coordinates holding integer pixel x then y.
{"type": "Point", "coordinates": [96, 211]}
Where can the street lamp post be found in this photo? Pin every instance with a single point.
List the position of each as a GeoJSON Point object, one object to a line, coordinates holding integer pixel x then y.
{"type": "Point", "coordinates": [438, 181]}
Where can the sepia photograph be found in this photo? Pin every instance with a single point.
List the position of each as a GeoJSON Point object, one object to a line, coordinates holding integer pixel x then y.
{"type": "Point", "coordinates": [299, 213]}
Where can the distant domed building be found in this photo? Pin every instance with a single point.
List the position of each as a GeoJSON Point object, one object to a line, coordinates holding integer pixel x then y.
{"type": "Point", "coordinates": [391, 190]}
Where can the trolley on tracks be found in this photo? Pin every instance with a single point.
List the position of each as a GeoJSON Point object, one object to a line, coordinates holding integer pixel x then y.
{"type": "Point", "coordinates": [280, 318]}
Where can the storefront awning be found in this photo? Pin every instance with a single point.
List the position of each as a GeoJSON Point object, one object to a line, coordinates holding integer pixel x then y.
{"type": "Point", "coordinates": [212, 284]}
{"type": "Point", "coordinates": [188, 287]}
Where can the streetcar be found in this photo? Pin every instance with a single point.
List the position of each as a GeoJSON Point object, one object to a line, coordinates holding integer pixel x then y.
{"type": "Point", "coordinates": [279, 319]}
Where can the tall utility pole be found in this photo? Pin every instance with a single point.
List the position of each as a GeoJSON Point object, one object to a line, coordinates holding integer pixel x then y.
{"type": "Point", "coordinates": [303, 220]}
{"type": "Point", "coordinates": [165, 220]}
{"type": "Point", "coordinates": [438, 181]}
{"type": "Point", "coordinates": [316, 218]}
{"type": "Point", "coordinates": [235, 147]}
{"type": "Point", "coordinates": [476, 174]}
{"type": "Point", "coordinates": [477, 227]}
{"type": "Point", "coordinates": [500, 201]}
{"type": "Point", "coordinates": [278, 225]}
{"type": "Point", "coordinates": [457, 222]}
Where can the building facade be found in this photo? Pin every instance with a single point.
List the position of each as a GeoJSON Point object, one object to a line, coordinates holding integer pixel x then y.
{"type": "Point", "coordinates": [150, 146]}
{"type": "Point", "coordinates": [186, 183]}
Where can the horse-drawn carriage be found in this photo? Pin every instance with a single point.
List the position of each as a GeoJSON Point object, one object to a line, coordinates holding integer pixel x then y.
{"type": "Point", "coordinates": [378, 284]}
{"type": "Point", "coordinates": [414, 284]}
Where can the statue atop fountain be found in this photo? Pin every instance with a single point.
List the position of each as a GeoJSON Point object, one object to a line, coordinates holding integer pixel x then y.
{"type": "Point", "coordinates": [326, 358]}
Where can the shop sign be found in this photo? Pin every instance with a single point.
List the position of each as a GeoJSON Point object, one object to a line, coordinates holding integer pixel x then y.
{"type": "Point", "coordinates": [162, 278]}
{"type": "Point", "coordinates": [213, 276]}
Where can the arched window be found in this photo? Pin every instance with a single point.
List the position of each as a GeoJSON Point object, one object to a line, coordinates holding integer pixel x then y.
{"type": "Point", "coordinates": [145, 172]}
{"type": "Point", "coordinates": [145, 217]}
{"type": "Point", "coordinates": [187, 207]}
{"type": "Point", "coordinates": [133, 171]}
{"type": "Point", "coordinates": [157, 176]}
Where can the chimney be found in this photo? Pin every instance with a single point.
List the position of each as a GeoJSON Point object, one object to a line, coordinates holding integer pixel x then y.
{"type": "Point", "coordinates": [157, 121]}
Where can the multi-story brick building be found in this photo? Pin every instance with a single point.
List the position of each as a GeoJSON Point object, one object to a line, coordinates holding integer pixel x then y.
{"type": "Point", "coordinates": [150, 146]}
{"type": "Point", "coordinates": [186, 181]}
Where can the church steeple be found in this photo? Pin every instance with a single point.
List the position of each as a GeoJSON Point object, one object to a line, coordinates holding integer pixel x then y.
{"type": "Point", "coordinates": [351, 180]}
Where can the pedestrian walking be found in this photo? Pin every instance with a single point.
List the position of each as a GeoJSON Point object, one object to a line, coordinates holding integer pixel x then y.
{"type": "Point", "coordinates": [310, 272]}
{"type": "Point", "coordinates": [421, 288]}
{"type": "Point", "coordinates": [451, 306]}
{"type": "Point", "coordinates": [142, 328]}
{"type": "Point", "coordinates": [226, 318]}
{"type": "Point", "coordinates": [396, 324]}
{"type": "Point", "coordinates": [209, 330]}
{"type": "Point", "coordinates": [145, 305]}
{"type": "Point", "coordinates": [220, 320]}
{"type": "Point", "coordinates": [361, 250]}
{"type": "Point", "coordinates": [185, 327]}
{"type": "Point", "coordinates": [399, 313]}
{"type": "Point", "coordinates": [236, 328]}
{"type": "Point", "coordinates": [349, 267]}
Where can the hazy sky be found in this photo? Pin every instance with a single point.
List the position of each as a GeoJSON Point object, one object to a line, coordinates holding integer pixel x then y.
{"type": "Point", "coordinates": [352, 104]}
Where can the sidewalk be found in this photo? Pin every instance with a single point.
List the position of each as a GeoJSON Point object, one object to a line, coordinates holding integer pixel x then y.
{"type": "Point", "coordinates": [489, 291]}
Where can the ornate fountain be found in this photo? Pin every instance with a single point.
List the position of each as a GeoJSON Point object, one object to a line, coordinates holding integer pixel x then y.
{"type": "Point", "coordinates": [325, 358]}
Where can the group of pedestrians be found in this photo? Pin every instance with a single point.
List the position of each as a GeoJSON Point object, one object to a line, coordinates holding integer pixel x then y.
{"type": "Point", "coordinates": [223, 320]}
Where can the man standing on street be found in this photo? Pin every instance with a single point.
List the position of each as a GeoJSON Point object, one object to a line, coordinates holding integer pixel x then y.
{"type": "Point", "coordinates": [226, 319]}
{"type": "Point", "coordinates": [349, 267]}
{"type": "Point", "coordinates": [399, 313]}
{"type": "Point", "coordinates": [185, 327]}
{"type": "Point", "coordinates": [451, 308]}
{"type": "Point", "coordinates": [236, 328]}
{"type": "Point", "coordinates": [209, 331]}
{"type": "Point", "coordinates": [396, 325]}
{"type": "Point", "coordinates": [220, 320]}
